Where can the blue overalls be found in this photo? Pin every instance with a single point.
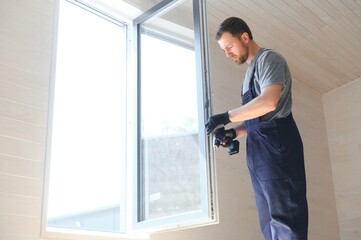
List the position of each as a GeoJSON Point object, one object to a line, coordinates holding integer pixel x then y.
{"type": "Point", "coordinates": [276, 166]}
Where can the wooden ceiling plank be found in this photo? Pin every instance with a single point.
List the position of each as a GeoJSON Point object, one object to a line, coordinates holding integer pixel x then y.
{"type": "Point", "coordinates": [278, 38]}
{"type": "Point", "coordinates": [311, 35]}
{"type": "Point", "coordinates": [335, 39]}
{"type": "Point", "coordinates": [340, 21]}
{"type": "Point", "coordinates": [345, 8]}
{"type": "Point", "coordinates": [311, 51]}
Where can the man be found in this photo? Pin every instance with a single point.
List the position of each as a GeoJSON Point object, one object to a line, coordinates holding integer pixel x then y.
{"type": "Point", "coordinates": [274, 146]}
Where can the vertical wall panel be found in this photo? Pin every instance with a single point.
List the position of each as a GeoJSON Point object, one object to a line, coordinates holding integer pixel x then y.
{"type": "Point", "coordinates": [343, 120]}
{"type": "Point", "coordinates": [26, 29]}
{"type": "Point", "coordinates": [309, 115]}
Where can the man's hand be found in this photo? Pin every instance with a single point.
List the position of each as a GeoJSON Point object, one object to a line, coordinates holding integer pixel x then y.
{"type": "Point", "coordinates": [217, 120]}
{"type": "Point", "coordinates": [224, 138]}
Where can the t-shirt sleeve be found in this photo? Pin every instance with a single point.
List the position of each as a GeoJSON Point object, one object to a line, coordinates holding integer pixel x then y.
{"type": "Point", "coordinates": [271, 70]}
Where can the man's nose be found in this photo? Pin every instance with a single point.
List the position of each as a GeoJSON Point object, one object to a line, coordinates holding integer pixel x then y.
{"type": "Point", "coordinates": [229, 53]}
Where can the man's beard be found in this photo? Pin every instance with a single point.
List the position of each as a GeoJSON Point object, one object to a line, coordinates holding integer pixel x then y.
{"type": "Point", "coordinates": [242, 59]}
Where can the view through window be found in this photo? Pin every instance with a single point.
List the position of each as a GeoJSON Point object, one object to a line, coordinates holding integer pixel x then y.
{"type": "Point", "coordinates": [86, 189]}
{"type": "Point", "coordinates": [169, 129]}
{"type": "Point", "coordinates": [174, 171]}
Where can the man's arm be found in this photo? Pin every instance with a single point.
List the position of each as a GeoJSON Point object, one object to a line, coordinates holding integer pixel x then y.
{"type": "Point", "coordinates": [241, 130]}
{"type": "Point", "coordinates": [259, 106]}
{"type": "Point", "coordinates": [264, 103]}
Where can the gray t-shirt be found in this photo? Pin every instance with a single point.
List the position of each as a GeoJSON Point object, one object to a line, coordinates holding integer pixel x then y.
{"type": "Point", "coordinates": [271, 68]}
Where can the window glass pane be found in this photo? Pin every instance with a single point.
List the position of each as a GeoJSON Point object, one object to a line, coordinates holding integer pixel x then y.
{"type": "Point", "coordinates": [86, 188]}
{"type": "Point", "coordinates": [169, 148]}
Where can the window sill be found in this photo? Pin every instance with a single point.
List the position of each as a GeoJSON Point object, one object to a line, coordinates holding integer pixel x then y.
{"type": "Point", "coordinates": [69, 234]}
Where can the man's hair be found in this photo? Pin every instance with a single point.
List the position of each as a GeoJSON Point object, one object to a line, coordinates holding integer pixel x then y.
{"type": "Point", "coordinates": [234, 26]}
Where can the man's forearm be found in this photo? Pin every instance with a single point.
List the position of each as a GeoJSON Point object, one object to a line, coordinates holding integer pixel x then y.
{"type": "Point", "coordinates": [255, 108]}
{"type": "Point", "coordinates": [259, 106]}
{"type": "Point", "coordinates": [241, 130]}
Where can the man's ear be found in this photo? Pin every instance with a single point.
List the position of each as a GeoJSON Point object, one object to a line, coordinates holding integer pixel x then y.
{"type": "Point", "coordinates": [245, 37]}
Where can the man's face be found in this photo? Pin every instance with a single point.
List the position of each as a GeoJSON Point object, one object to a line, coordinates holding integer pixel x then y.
{"type": "Point", "coordinates": [234, 47]}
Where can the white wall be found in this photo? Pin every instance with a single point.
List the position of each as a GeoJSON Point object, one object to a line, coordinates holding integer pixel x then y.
{"type": "Point", "coordinates": [342, 111]}
{"type": "Point", "coordinates": [309, 115]}
{"type": "Point", "coordinates": [25, 44]}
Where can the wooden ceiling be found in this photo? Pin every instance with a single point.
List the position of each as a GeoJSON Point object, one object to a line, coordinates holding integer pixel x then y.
{"type": "Point", "coordinates": [321, 39]}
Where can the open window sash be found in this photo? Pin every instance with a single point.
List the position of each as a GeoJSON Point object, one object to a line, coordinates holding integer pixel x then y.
{"type": "Point", "coordinates": [174, 170]}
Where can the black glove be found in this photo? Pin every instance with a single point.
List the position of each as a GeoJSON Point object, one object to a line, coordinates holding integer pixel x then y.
{"type": "Point", "coordinates": [217, 120]}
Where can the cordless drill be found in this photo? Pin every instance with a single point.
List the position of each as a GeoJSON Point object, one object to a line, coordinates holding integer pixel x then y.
{"type": "Point", "coordinates": [224, 138]}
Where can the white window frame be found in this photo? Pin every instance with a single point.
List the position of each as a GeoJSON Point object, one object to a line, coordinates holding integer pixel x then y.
{"type": "Point", "coordinates": [133, 226]}
{"type": "Point", "coordinates": [63, 232]}
{"type": "Point", "coordinates": [209, 212]}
